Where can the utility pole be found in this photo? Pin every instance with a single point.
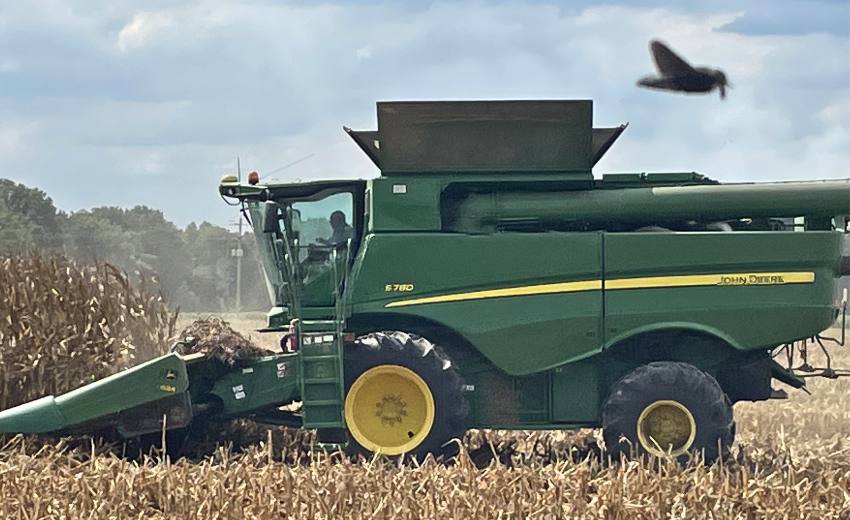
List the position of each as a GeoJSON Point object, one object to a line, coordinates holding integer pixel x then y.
{"type": "Point", "coordinates": [238, 252]}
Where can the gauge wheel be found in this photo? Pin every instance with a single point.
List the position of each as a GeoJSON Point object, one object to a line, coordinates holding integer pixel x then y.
{"type": "Point", "coordinates": [404, 398]}
{"type": "Point", "coordinates": [668, 409]}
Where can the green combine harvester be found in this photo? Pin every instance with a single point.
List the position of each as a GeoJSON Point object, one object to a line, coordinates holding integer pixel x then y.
{"type": "Point", "coordinates": [487, 279]}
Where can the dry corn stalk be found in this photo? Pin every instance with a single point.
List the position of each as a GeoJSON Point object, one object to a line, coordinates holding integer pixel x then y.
{"type": "Point", "coordinates": [63, 324]}
{"type": "Point", "coordinates": [88, 483]}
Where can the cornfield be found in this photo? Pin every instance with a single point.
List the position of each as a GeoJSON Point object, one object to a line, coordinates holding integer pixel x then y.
{"type": "Point", "coordinates": [63, 324]}
{"type": "Point", "coordinates": [791, 459]}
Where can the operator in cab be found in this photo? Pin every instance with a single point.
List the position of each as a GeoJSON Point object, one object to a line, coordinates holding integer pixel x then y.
{"type": "Point", "coordinates": [341, 231]}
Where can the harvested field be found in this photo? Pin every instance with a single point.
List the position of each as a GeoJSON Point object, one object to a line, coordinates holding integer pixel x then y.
{"type": "Point", "coordinates": [792, 460]}
{"type": "Point", "coordinates": [768, 481]}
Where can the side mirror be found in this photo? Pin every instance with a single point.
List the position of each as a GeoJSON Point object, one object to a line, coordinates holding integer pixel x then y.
{"type": "Point", "coordinates": [271, 217]}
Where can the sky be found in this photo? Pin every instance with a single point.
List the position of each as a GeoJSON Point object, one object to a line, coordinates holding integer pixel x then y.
{"type": "Point", "coordinates": [150, 102]}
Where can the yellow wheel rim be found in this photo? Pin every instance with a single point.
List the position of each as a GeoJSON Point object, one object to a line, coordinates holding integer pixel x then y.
{"type": "Point", "coordinates": [666, 427]}
{"type": "Point", "coordinates": [389, 409]}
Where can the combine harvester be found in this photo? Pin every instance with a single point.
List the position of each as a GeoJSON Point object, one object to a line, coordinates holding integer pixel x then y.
{"type": "Point", "coordinates": [486, 279]}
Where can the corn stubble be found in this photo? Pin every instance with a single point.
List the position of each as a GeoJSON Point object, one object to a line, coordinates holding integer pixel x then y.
{"type": "Point", "coordinates": [792, 459]}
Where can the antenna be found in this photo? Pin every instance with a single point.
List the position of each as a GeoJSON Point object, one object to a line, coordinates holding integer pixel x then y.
{"type": "Point", "coordinates": [285, 166]}
{"type": "Point", "coordinates": [238, 170]}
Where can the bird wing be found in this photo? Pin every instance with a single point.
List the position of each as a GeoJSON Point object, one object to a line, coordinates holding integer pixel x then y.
{"type": "Point", "coordinates": [668, 63]}
{"type": "Point", "coordinates": [660, 83]}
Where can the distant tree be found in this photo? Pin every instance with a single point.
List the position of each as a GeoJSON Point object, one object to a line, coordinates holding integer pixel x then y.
{"type": "Point", "coordinates": [29, 218]}
{"type": "Point", "coordinates": [194, 266]}
{"type": "Point", "coordinates": [89, 235]}
{"type": "Point", "coordinates": [160, 246]}
{"type": "Point", "coordinates": [16, 233]}
{"type": "Point", "coordinates": [214, 270]}
{"type": "Point", "coordinates": [137, 239]}
{"type": "Point", "coordinates": [255, 293]}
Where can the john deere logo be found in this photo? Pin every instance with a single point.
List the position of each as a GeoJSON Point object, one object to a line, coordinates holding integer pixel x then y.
{"type": "Point", "coordinates": [752, 279]}
{"type": "Point", "coordinates": [391, 409]}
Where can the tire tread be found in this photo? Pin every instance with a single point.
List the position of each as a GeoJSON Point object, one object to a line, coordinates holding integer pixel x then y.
{"type": "Point", "coordinates": [620, 408]}
{"type": "Point", "coordinates": [430, 363]}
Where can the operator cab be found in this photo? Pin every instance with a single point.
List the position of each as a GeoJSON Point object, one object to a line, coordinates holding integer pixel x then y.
{"type": "Point", "coordinates": [308, 234]}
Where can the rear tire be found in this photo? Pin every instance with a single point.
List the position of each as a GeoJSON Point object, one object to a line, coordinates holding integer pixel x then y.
{"type": "Point", "coordinates": [668, 408]}
{"type": "Point", "coordinates": [403, 398]}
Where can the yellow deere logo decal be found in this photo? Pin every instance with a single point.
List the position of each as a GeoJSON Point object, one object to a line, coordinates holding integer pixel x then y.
{"type": "Point", "coordinates": [766, 279]}
{"type": "Point", "coordinates": [641, 282]}
{"type": "Point", "coordinates": [697, 280]}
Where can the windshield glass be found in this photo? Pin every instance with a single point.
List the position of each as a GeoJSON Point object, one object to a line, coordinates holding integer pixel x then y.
{"type": "Point", "coordinates": [322, 223]}
{"type": "Point", "coordinates": [306, 257]}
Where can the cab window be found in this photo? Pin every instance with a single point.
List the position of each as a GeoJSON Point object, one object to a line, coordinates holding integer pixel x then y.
{"type": "Point", "coordinates": [324, 222]}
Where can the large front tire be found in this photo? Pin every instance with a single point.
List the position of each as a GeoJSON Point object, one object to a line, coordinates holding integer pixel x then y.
{"type": "Point", "coordinates": [403, 397]}
{"type": "Point", "coordinates": [668, 409]}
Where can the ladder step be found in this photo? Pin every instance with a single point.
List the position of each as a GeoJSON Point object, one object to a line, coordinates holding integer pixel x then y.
{"type": "Point", "coordinates": [321, 402]}
{"type": "Point", "coordinates": [320, 380]}
{"type": "Point", "coordinates": [326, 424]}
{"type": "Point", "coordinates": [318, 326]}
{"type": "Point", "coordinates": [321, 365]}
{"type": "Point", "coordinates": [319, 357]}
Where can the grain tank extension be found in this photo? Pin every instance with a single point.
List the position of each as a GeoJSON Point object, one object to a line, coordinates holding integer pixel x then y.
{"type": "Point", "coordinates": [487, 279]}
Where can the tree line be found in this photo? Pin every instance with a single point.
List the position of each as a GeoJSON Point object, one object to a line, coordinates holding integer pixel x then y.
{"type": "Point", "coordinates": [194, 266]}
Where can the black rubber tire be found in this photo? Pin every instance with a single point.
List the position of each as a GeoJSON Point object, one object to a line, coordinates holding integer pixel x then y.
{"type": "Point", "coordinates": [698, 391]}
{"type": "Point", "coordinates": [434, 367]}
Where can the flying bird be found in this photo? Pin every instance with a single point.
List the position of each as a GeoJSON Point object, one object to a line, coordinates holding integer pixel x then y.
{"type": "Point", "coordinates": [678, 75]}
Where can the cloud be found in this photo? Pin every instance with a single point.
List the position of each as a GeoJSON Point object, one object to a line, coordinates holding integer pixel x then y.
{"type": "Point", "coordinates": [142, 29]}
{"type": "Point", "coordinates": [793, 17]}
{"type": "Point", "coordinates": [160, 102]}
